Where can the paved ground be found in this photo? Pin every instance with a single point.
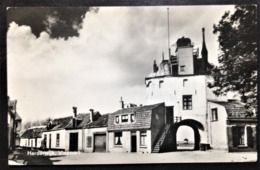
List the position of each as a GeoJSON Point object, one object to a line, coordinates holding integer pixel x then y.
{"type": "Point", "coordinates": [66, 158]}
{"type": "Point", "coordinates": [173, 157]}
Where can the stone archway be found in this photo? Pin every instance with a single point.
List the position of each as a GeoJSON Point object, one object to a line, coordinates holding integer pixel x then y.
{"type": "Point", "coordinates": [194, 124]}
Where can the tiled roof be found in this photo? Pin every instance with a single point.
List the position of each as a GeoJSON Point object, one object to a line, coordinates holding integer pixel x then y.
{"type": "Point", "coordinates": [33, 133]}
{"type": "Point", "coordinates": [143, 117]}
{"type": "Point", "coordinates": [235, 108]}
{"type": "Point", "coordinates": [61, 123]}
{"type": "Point", "coordinates": [100, 122]}
{"type": "Point", "coordinates": [82, 119]}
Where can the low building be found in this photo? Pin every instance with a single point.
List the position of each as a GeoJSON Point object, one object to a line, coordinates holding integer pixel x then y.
{"type": "Point", "coordinates": [95, 135]}
{"type": "Point", "coordinates": [66, 133]}
{"type": "Point", "coordinates": [136, 129]}
{"type": "Point", "coordinates": [32, 137]}
{"type": "Point", "coordinates": [232, 126]}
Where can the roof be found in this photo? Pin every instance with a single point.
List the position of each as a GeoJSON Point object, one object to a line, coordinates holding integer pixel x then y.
{"type": "Point", "coordinates": [100, 122]}
{"type": "Point", "coordinates": [33, 133]}
{"type": "Point", "coordinates": [61, 123]}
{"type": "Point", "coordinates": [235, 108]}
{"type": "Point", "coordinates": [82, 119]}
{"type": "Point", "coordinates": [143, 117]}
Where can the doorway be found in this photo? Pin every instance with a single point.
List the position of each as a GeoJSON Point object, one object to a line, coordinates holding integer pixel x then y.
{"type": "Point", "coordinates": [73, 142]}
{"type": "Point", "coordinates": [133, 142]}
{"type": "Point", "coordinates": [100, 143]}
{"type": "Point", "coordinates": [49, 141]}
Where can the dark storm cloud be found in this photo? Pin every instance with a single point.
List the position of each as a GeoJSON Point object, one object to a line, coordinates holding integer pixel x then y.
{"type": "Point", "coordinates": [58, 22]}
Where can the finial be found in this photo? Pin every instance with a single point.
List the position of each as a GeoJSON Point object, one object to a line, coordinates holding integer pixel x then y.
{"type": "Point", "coordinates": [162, 55]}
{"type": "Point", "coordinates": [203, 29]}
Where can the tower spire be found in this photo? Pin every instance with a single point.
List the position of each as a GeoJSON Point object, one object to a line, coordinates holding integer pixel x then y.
{"type": "Point", "coordinates": [204, 51]}
{"type": "Point", "coordinates": [168, 33]}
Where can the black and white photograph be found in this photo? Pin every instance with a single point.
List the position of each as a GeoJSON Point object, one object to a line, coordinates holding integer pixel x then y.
{"type": "Point", "coordinates": [98, 85]}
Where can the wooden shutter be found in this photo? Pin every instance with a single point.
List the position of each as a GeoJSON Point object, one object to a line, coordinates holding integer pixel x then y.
{"type": "Point", "coordinates": [250, 137]}
{"type": "Point", "coordinates": [235, 136]}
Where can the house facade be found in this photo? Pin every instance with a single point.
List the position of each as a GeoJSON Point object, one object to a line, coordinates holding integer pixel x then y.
{"type": "Point", "coordinates": [67, 133]}
{"type": "Point", "coordinates": [95, 135]}
{"type": "Point", "coordinates": [136, 129]}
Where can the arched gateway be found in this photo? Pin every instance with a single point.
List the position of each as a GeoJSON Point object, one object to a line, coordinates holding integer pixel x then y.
{"type": "Point", "coordinates": [170, 143]}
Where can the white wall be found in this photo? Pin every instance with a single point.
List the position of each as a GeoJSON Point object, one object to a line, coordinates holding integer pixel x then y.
{"type": "Point", "coordinates": [126, 142]}
{"type": "Point", "coordinates": [67, 139]}
{"type": "Point", "coordinates": [185, 58]}
{"type": "Point", "coordinates": [91, 132]}
{"type": "Point", "coordinates": [218, 129]}
{"type": "Point", "coordinates": [171, 92]}
{"type": "Point", "coordinates": [53, 139]}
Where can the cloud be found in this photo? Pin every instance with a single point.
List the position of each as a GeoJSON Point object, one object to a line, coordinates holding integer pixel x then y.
{"type": "Point", "coordinates": [110, 58]}
{"type": "Point", "coordinates": [58, 22]}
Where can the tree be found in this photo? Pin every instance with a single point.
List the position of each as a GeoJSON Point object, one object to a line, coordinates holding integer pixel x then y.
{"type": "Point", "coordinates": [237, 70]}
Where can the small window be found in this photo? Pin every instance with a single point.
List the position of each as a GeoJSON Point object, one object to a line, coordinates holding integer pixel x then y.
{"type": "Point", "coordinates": [143, 138]}
{"type": "Point", "coordinates": [89, 141]}
{"type": "Point", "coordinates": [117, 119]}
{"type": "Point", "coordinates": [132, 117]}
{"type": "Point", "coordinates": [124, 118]}
{"type": "Point", "coordinates": [214, 114]}
{"type": "Point", "coordinates": [118, 138]}
{"type": "Point", "coordinates": [160, 83]}
{"type": "Point", "coordinates": [57, 139]}
{"type": "Point", "coordinates": [148, 84]}
{"type": "Point", "coordinates": [187, 102]}
{"type": "Point", "coordinates": [184, 82]}
{"type": "Point", "coordinates": [182, 68]}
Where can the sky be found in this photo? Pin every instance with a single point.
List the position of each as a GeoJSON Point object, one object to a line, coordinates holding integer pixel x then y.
{"type": "Point", "coordinates": [110, 58]}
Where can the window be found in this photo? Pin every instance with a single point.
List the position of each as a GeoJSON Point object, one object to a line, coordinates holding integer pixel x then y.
{"type": "Point", "coordinates": [160, 83]}
{"type": "Point", "coordinates": [184, 82]}
{"type": "Point", "coordinates": [143, 139]}
{"type": "Point", "coordinates": [182, 68]}
{"type": "Point", "coordinates": [187, 102]}
{"type": "Point", "coordinates": [148, 84]}
{"type": "Point", "coordinates": [57, 139]}
{"type": "Point", "coordinates": [89, 141]}
{"type": "Point", "coordinates": [118, 138]}
{"type": "Point", "coordinates": [132, 117]}
{"type": "Point", "coordinates": [214, 114]}
{"type": "Point", "coordinates": [124, 118]}
{"type": "Point", "coordinates": [117, 119]}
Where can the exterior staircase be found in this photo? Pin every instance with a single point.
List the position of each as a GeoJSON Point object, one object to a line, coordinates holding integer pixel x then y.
{"type": "Point", "coordinates": [156, 148]}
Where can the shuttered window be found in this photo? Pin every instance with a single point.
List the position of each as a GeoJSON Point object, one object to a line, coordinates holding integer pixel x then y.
{"type": "Point", "coordinates": [89, 141]}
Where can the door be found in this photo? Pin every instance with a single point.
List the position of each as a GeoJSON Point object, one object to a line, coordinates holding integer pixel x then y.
{"type": "Point", "coordinates": [100, 143]}
{"type": "Point", "coordinates": [133, 142]}
{"type": "Point", "coordinates": [169, 115]}
{"type": "Point", "coordinates": [73, 142]}
{"type": "Point", "coordinates": [49, 141]}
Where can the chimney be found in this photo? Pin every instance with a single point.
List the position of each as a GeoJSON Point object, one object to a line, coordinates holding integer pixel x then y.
{"type": "Point", "coordinates": [75, 111]}
{"type": "Point", "coordinates": [122, 103]}
{"type": "Point", "coordinates": [155, 68]}
{"type": "Point", "coordinates": [91, 114]}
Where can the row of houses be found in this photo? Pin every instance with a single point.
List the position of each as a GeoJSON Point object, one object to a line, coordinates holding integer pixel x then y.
{"type": "Point", "coordinates": [143, 129]}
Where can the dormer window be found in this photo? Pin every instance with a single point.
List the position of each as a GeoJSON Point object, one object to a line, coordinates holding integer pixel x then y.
{"type": "Point", "coordinates": [117, 119]}
{"type": "Point", "coordinates": [124, 118]}
{"type": "Point", "coordinates": [132, 117]}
